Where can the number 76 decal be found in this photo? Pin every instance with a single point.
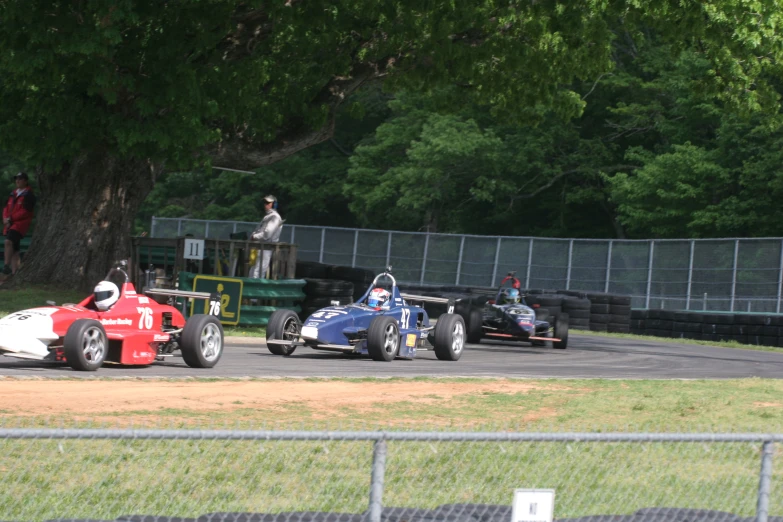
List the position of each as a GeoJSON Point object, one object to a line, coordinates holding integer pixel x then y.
{"type": "Point", "coordinates": [145, 317]}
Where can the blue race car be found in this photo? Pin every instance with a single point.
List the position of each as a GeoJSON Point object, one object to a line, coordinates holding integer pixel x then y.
{"type": "Point", "coordinates": [381, 324]}
{"type": "Point", "coordinates": [508, 317]}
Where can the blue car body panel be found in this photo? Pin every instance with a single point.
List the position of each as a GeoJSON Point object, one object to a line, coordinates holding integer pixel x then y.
{"type": "Point", "coordinates": [346, 325]}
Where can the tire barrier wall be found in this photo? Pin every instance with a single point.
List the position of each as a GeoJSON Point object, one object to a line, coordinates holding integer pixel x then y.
{"type": "Point", "coordinates": [586, 310]}
{"type": "Point", "coordinates": [327, 283]}
{"type": "Point", "coordinates": [745, 328]}
{"type": "Point", "coordinates": [266, 296]}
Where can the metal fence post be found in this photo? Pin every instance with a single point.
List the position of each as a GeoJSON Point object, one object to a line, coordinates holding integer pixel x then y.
{"type": "Point", "coordinates": [570, 255]}
{"type": "Point", "coordinates": [355, 246]}
{"type": "Point", "coordinates": [734, 273]}
{"type": "Point", "coordinates": [495, 266]}
{"type": "Point", "coordinates": [424, 257]}
{"type": "Point", "coordinates": [608, 265]}
{"type": "Point", "coordinates": [780, 278]}
{"type": "Point", "coordinates": [234, 228]}
{"type": "Point", "coordinates": [529, 262]}
{"type": "Point", "coordinates": [649, 274]}
{"type": "Point", "coordinates": [388, 250]}
{"type": "Point", "coordinates": [154, 222]}
{"type": "Point", "coordinates": [459, 262]}
{"type": "Point", "coordinates": [293, 234]}
{"type": "Point", "coordinates": [323, 239]}
{"type": "Point", "coordinates": [179, 228]}
{"type": "Point", "coordinates": [690, 277]}
{"type": "Point", "coordinates": [206, 230]}
{"type": "Point", "coordinates": [765, 480]}
{"type": "Point", "coordinates": [376, 484]}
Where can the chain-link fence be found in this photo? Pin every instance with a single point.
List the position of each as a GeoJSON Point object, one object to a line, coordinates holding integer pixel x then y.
{"type": "Point", "coordinates": [111, 473]}
{"type": "Point", "coordinates": [737, 275]}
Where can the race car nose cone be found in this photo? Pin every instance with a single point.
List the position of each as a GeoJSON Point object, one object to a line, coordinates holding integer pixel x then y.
{"type": "Point", "coordinates": [526, 326]}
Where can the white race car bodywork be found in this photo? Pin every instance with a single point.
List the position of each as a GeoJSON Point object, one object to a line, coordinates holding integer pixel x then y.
{"type": "Point", "coordinates": [27, 334]}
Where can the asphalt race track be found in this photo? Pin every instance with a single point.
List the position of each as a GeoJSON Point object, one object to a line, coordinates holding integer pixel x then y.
{"type": "Point", "coordinates": [587, 356]}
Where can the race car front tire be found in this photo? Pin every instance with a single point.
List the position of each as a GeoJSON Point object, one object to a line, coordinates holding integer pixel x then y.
{"type": "Point", "coordinates": [85, 345]}
{"type": "Point", "coordinates": [383, 338]}
{"type": "Point", "coordinates": [449, 337]}
{"type": "Point", "coordinates": [283, 325]}
{"type": "Point", "coordinates": [475, 324]}
{"type": "Point", "coordinates": [201, 342]}
{"type": "Point", "coordinates": [561, 332]}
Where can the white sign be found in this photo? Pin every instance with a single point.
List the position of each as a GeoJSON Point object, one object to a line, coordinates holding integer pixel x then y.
{"type": "Point", "coordinates": [533, 505]}
{"type": "Point", "coordinates": [194, 249]}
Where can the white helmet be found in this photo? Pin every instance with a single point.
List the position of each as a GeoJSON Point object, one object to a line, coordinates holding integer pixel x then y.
{"type": "Point", "coordinates": [106, 294]}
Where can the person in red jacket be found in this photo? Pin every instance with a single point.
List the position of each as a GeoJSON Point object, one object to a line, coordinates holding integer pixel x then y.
{"type": "Point", "coordinates": [17, 216]}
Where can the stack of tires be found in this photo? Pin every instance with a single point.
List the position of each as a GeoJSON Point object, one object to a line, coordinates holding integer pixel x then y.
{"type": "Point", "coordinates": [310, 269]}
{"type": "Point", "coordinates": [547, 306]}
{"type": "Point", "coordinates": [361, 278]}
{"type": "Point", "coordinates": [325, 292]}
{"type": "Point", "coordinates": [328, 283]}
{"type": "Point", "coordinates": [610, 313]}
{"type": "Point", "coordinates": [578, 310]}
{"type": "Point", "coordinates": [619, 314]}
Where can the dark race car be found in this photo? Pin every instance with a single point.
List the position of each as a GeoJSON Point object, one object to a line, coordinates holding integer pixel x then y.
{"type": "Point", "coordinates": [508, 317]}
{"type": "Point", "coordinates": [381, 324]}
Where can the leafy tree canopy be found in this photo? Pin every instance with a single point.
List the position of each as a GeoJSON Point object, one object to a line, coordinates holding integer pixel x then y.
{"type": "Point", "coordinates": [164, 80]}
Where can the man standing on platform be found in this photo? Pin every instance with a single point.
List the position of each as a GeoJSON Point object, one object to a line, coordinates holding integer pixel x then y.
{"type": "Point", "coordinates": [267, 231]}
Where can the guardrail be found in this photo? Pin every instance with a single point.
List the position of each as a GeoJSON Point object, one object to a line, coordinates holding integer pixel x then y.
{"type": "Point", "coordinates": [108, 473]}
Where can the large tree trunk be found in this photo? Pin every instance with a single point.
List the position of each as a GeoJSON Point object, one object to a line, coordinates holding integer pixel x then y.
{"type": "Point", "coordinates": [84, 219]}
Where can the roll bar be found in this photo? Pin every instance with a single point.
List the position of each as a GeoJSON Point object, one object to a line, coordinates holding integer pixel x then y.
{"type": "Point", "coordinates": [386, 273]}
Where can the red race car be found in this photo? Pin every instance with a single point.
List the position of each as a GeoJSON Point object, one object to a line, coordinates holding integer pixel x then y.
{"type": "Point", "coordinates": [115, 324]}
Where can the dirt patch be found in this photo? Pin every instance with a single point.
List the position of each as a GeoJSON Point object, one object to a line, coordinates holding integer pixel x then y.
{"type": "Point", "coordinates": [49, 397]}
{"type": "Point", "coordinates": [768, 404]}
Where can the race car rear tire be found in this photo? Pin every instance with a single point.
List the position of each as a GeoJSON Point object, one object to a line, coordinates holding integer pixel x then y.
{"type": "Point", "coordinates": [561, 332]}
{"type": "Point", "coordinates": [201, 343]}
{"type": "Point", "coordinates": [475, 325]}
{"type": "Point", "coordinates": [383, 338]}
{"type": "Point", "coordinates": [283, 325]}
{"type": "Point", "coordinates": [449, 337]}
{"type": "Point", "coordinates": [85, 345]}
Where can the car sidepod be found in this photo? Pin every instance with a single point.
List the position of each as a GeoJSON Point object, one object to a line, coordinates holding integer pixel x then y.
{"type": "Point", "coordinates": [27, 334]}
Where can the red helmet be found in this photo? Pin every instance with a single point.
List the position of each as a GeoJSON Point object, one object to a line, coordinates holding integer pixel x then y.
{"type": "Point", "coordinates": [379, 298]}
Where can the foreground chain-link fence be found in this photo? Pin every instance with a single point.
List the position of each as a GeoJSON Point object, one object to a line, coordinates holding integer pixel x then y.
{"type": "Point", "coordinates": [737, 275]}
{"type": "Point", "coordinates": [111, 473]}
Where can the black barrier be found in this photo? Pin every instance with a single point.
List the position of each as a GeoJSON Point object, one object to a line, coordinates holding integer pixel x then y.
{"type": "Point", "coordinates": [745, 328]}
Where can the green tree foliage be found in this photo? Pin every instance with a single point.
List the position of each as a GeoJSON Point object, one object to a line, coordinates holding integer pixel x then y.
{"type": "Point", "coordinates": [694, 168]}
{"type": "Point", "coordinates": [107, 96]}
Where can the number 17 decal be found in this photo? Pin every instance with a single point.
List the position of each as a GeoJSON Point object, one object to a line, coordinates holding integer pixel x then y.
{"type": "Point", "coordinates": [406, 319]}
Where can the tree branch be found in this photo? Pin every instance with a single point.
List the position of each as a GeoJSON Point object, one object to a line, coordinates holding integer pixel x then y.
{"type": "Point", "coordinates": [237, 153]}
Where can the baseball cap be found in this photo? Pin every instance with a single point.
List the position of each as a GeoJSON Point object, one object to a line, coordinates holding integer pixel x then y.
{"type": "Point", "coordinates": [21, 175]}
{"type": "Point", "coordinates": [270, 198]}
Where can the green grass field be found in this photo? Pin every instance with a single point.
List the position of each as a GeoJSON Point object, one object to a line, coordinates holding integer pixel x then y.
{"type": "Point", "coordinates": [105, 479]}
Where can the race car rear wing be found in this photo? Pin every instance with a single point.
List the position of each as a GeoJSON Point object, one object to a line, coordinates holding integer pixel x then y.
{"type": "Point", "coordinates": [214, 298]}
{"type": "Point", "coordinates": [177, 293]}
{"type": "Point", "coordinates": [427, 299]}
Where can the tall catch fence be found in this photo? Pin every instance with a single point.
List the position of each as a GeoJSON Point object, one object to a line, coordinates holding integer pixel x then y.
{"type": "Point", "coordinates": [736, 275]}
{"type": "Point", "coordinates": [126, 473]}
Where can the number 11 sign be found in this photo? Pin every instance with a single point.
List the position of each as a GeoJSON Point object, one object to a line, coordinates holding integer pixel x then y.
{"type": "Point", "coordinates": [533, 505]}
{"type": "Point", "coordinates": [194, 249]}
